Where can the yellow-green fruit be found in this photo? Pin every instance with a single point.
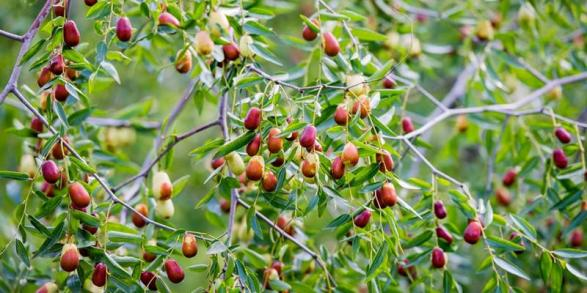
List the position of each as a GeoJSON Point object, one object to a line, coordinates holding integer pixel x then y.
{"type": "Point", "coordinates": [484, 30]}
{"type": "Point", "coordinates": [217, 23]}
{"type": "Point", "coordinates": [526, 15]}
{"type": "Point", "coordinates": [245, 46]}
{"type": "Point", "coordinates": [555, 94]}
{"type": "Point", "coordinates": [392, 40]}
{"type": "Point", "coordinates": [235, 163]}
{"type": "Point", "coordinates": [90, 287]}
{"type": "Point", "coordinates": [204, 44]}
{"type": "Point", "coordinates": [356, 84]}
{"type": "Point", "coordinates": [411, 44]}
{"type": "Point", "coordinates": [28, 165]}
{"type": "Point", "coordinates": [164, 209]}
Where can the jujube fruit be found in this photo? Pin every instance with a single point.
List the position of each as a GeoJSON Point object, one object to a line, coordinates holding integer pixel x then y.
{"type": "Point", "coordinates": [57, 64]}
{"type": "Point", "coordinates": [100, 275]}
{"type": "Point", "coordinates": [50, 171]}
{"type": "Point", "coordinates": [231, 51]}
{"type": "Point", "coordinates": [274, 143]}
{"type": "Point", "coordinates": [361, 220]}
{"type": "Point", "coordinates": [217, 23]}
{"type": "Point", "coordinates": [164, 208]}
{"type": "Point", "coordinates": [563, 135]}
{"type": "Point", "coordinates": [310, 165]}
{"type": "Point", "coordinates": [174, 272]}
{"type": "Point", "coordinates": [162, 186]}
{"type": "Point", "coordinates": [123, 29]}
{"type": "Point", "coordinates": [37, 125]}
{"type": "Point", "coordinates": [269, 182]}
{"type": "Point", "coordinates": [69, 260]}
{"type": "Point", "coordinates": [405, 269]}
{"type": "Point", "coordinates": [385, 161]}
{"type": "Point", "coordinates": [48, 287]}
{"type": "Point", "coordinates": [385, 196]}
{"type": "Point", "coordinates": [183, 61]}
{"type": "Point", "coordinates": [204, 44]}
{"type": "Point", "coordinates": [560, 159]}
{"type": "Point", "coordinates": [235, 163]}
{"type": "Point", "coordinates": [503, 197]}
{"type": "Point", "coordinates": [356, 85]}
{"type": "Point", "coordinates": [217, 163]}
{"type": "Point", "coordinates": [79, 195]}
{"type": "Point", "coordinates": [443, 234]}
{"type": "Point", "coordinates": [407, 125]}
{"type": "Point", "coordinates": [308, 137]}
{"type": "Point", "coordinates": [388, 83]}
{"type": "Point", "coordinates": [60, 92]}
{"type": "Point", "coordinates": [189, 245]}
{"type": "Point", "coordinates": [438, 257]}
{"type": "Point", "coordinates": [90, 3]}
{"type": "Point", "coordinates": [337, 168]}
{"type": "Point", "coordinates": [361, 106]}
{"type": "Point", "coordinates": [167, 19]}
{"type": "Point", "coordinates": [255, 168]}
{"type": "Point", "coordinates": [253, 118]}
{"type": "Point", "coordinates": [59, 151]}
{"type": "Point", "coordinates": [341, 115]}
{"type": "Point", "coordinates": [254, 145]}
{"type": "Point", "coordinates": [44, 76]}
{"type": "Point", "coordinates": [350, 154]}
{"type": "Point", "coordinates": [330, 44]}
{"type": "Point", "coordinates": [308, 34]}
{"type": "Point", "coordinates": [439, 210]}
{"type": "Point", "coordinates": [509, 178]}
{"type": "Point", "coordinates": [136, 218]}
{"type": "Point", "coordinates": [149, 280]}
{"type": "Point", "coordinates": [473, 232]}
{"type": "Point", "coordinates": [70, 34]}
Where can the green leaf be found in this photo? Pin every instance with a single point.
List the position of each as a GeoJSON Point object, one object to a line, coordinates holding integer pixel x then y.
{"type": "Point", "coordinates": [365, 34]}
{"type": "Point", "coordinates": [510, 268]}
{"type": "Point", "coordinates": [32, 51]}
{"type": "Point", "coordinates": [21, 176]}
{"type": "Point", "coordinates": [420, 239]}
{"type": "Point", "coordinates": [310, 24]}
{"type": "Point", "coordinates": [279, 285]}
{"type": "Point", "coordinates": [253, 223]}
{"type": "Point", "coordinates": [523, 226]}
{"type": "Point", "coordinates": [235, 144]}
{"type": "Point", "coordinates": [58, 109]}
{"type": "Point", "coordinates": [22, 253]}
{"type": "Point", "coordinates": [496, 242]}
{"type": "Point", "coordinates": [340, 220]}
{"type": "Point", "coordinates": [568, 200]}
{"type": "Point", "coordinates": [377, 261]}
{"type": "Point", "coordinates": [570, 253]}
{"type": "Point", "coordinates": [198, 268]}
{"type": "Point", "coordinates": [111, 70]}
{"type": "Point", "coordinates": [86, 218]}
{"type": "Point", "coordinates": [265, 54]}
{"type": "Point", "coordinates": [545, 266]}
{"type": "Point", "coordinates": [56, 235]}
{"type": "Point", "coordinates": [180, 184]}
{"type": "Point", "coordinates": [78, 117]}
{"type": "Point", "coordinates": [217, 248]}
{"type": "Point", "coordinates": [577, 273]}
{"type": "Point", "coordinates": [82, 165]}
{"type": "Point", "coordinates": [256, 28]}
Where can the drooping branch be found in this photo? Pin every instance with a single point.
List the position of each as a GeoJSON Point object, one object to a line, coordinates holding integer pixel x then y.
{"type": "Point", "coordinates": [11, 36]}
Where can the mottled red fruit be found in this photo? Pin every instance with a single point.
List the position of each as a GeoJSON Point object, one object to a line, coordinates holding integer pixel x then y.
{"type": "Point", "coordinates": [69, 260]}
{"type": "Point", "coordinates": [149, 280]}
{"type": "Point", "coordinates": [70, 33]}
{"type": "Point", "coordinates": [168, 19]}
{"type": "Point", "coordinates": [308, 137]}
{"type": "Point", "coordinates": [361, 220]}
{"type": "Point", "coordinates": [59, 10]}
{"type": "Point", "coordinates": [388, 83]}
{"type": "Point", "coordinates": [283, 224]}
{"type": "Point", "coordinates": [189, 246]}
{"type": "Point", "coordinates": [60, 93]}
{"type": "Point", "coordinates": [253, 118]}
{"type": "Point", "coordinates": [385, 196]}
{"type": "Point", "coordinates": [404, 268]}
{"type": "Point", "coordinates": [149, 256]}
{"type": "Point", "coordinates": [100, 274]}
{"type": "Point", "coordinates": [124, 29]}
{"type": "Point", "coordinates": [309, 168]}
{"type": "Point", "coordinates": [45, 76]}
{"type": "Point", "coordinates": [341, 115]}
{"type": "Point", "coordinates": [473, 232]}
{"type": "Point", "coordinates": [59, 151]}
{"type": "Point", "coordinates": [407, 125]}
{"type": "Point", "coordinates": [254, 145]}
{"type": "Point", "coordinates": [385, 161]}
{"type": "Point", "coordinates": [563, 135]}
{"type": "Point", "coordinates": [509, 178]}
{"type": "Point", "coordinates": [274, 143]}
{"type": "Point", "coordinates": [79, 195]}
{"type": "Point", "coordinates": [443, 234]}
{"type": "Point", "coordinates": [90, 3]}
{"type": "Point", "coordinates": [136, 218]}
{"type": "Point", "coordinates": [36, 125]}
{"type": "Point", "coordinates": [48, 189]}
{"type": "Point", "coordinates": [560, 159]}
{"type": "Point", "coordinates": [255, 168]}
{"type": "Point", "coordinates": [71, 73]}
{"type": "Point", "coordinates": [278, 266]}
{"type": "Point", "coordinates": [50, 171]}
{"type": "Point", "coordinates": [231, 51]}
{"type": "Point", "coordinates": [361, 106]}
{"type": "Point", "coordinates": [439, 210]}
{"type": "Point", "coordinates": [308, 34]}
{"type": "Point", "coordinates": [174, 271]}
{"type": "Point", "coordinates": [503, 197]}
{"type": "Point", "coordinates": [57, 64]}
{"type": "Point", "coordinates": [576, 238]}
{"type": "Point", "coordinates": [438, 258]}
{"type": "Point", "coordinates": [350, 154]}
{"type": "Point", "coordinates": [217, 163]}
{"type": "Point", "coordinates": [269, 181]}
{"type": "Point", "coordinates": [337, 168]}
{"type": "Point", "coordinates": [224, 205]}
{"type": "Point", "coordinates": [330, 44]}
{"type": "Point", "coordinates": [278, 162]}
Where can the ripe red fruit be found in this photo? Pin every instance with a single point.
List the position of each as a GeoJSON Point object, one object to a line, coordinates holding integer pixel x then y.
{"type": "Point", "coordinates": [36, 125]}
{"type": "Point", "coordinates": [438, 258]}
{"type": "Point", "coordinates": [563, 135]}
{"type": "Point", "coordinates": [439, 210]}
{"type": "Point", "coordinates": [269, 181]}
{"type": "Point", "coordinates": [90, 3]}
{"type": "Point", "coordinates": [149, 256]}
{"type": "Point", "coordinates": [443, 234]}
{"type": "Point", "coordinates": [388, 83]}
{"type": "Point", "coordinates": [473, 232]}
{"type": "Point", "coordinates": [47, 189]}
{"type": "Point", "coordinates": [560, 159]}
{"type": "Point", "coordinates": [361, 106]}
{"type": "Point", "coordinates": [350, 154]}
{"type": "Point", "coordinates": [60, 92]}
{"type": "Point", "coordinates": [100, 274]}
{"type": "Point", "coordinates": [59, 151]}
{"type": "Point", "coordinates": [283, 224]}
{"type": "Point", "coordinates": [224, 205]}
{"type": "Point", "coordinates": [71, 73]}
{"type": "Point", "coordinates": [253, 118]}
{"type": "Point", "coordinates": [59, 10]}
{"type": "Point", "coordinates": [149, 280]}
{"type": "Point", "coordinates": [330, 44]}
{"type": "Point", "coordinates": [217, 163]}
{"type": "Point", "coordinates": [174, 271]}
{"type": "Point", "coordinates": [50, 171]}
{"type": "Point", "coordinates": [407, 125]}
{"type": "Point", "coordinates": [231, 51]}
{"type": "Point", "coordinates": [69, 260]}
{"type": "Point", "coordinates": [79, 195]}
{"type": "Point", "coordinates": [308, 137]}
{"type": "Point", "coordinates": [404, 268]}
{"type": "Point", "coordinates": [510, 177]}
{"type": "Point", "coordinates": [385, 161]}
{"type": "Point", "coordinates": [361, 220]}
{"type": "Point", "coordinates": [576, 238]}
{"type": "Point", "coordinates": [254, 145]}
{"type": "Point", "coordinates": [309, 166]}
{"type": "Point", "coordinates": [167, 19]}
{"type": "Point", "coordinates": [278, 162]}
{"type": "Point", "coordinates": [45, 76]}
{"type": "Point", "coordinates": [70, 34]}
{"type": "Point", "coordinates": [123, 29]}
{"type": "Point", "coordinates": [278, 266]}
{"type": "Point", "coordinates": [341, 115]}
{"type": "Point", "coordinates": [274, 143]}
{"type": "Point", "coordinates": [385, 196]}
{"type": "Point", "coordinates": [337, 168]}
{"type": "Point", "coordinates": [57, 64]}
{"type": "Point", "coordinates": [136, 218]}
{"type": "Point", "coordinates": [503, 197]}
{"type": "Point", "coordinates": [308, 34]}
{"type": "Point", "coordinates": [189, 246]}
{"type": "Point", "coordinates": [255, 168]}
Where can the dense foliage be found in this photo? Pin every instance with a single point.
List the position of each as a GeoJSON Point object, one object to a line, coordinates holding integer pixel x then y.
{"type": "Point", "coordinates": [272, 145]}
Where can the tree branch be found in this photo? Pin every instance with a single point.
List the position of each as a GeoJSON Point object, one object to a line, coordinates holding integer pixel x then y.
{"type": "Point", "coordinates": [11, 36]}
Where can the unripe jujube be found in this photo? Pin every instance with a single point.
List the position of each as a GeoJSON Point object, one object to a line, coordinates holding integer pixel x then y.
{"type": "Point", "coordinates": [48, 287]}
{"type": "Point", "coordinates": [269, 275]}
{"type": "Point", "coordinates": [330, 44]}
{"type": "Point", "coordinates": [183, 62]}
{"type": "Point", "coordinates": [50, 171]}
{"type": "Point", "coordinates": [235, 163]}
{"type": "Point", "coordinates": [274, 143]}
{"type": "Point", "coordinates": [100, 275]}
{"type": "Point", "coordinates": [189, 246]}
{"type": "Point", "coordinates": [139, 221]}
{"type": "Point", "coordinates": [473, 232]}
{"type": "Point", "coordinates": [361, 220]}
{"type": "Point", "coordinates": [204, 44]}
{"type": "Point", "coordinates": [79, 196]}
{"type": "Point", "coordinates": [462, 124]}
{"type": "Point", "coordinates": [526, 14]}
{"type": "Point", "coordinates": [174, 272]}
{"type": "Point", "coordinates": [164, 208]}
{"type": "Point", "coordinates": [356, 85]}
{"type": "Point", "coordinates": [162, 186]}
{"type": "Point", "coordinates": [217, 23]}
{"type": "Point", "coordinates": [245, 46]}
{"type": "Point", "coordinates": [484, 30]}
{"type": "Point", "coordinates": [123, 29]}
{"type": "Point", "coordinates": [70, 34]}
{"type": "Point", "coordinates": [69, 260]}
{"type": "Point", "coordinates": [350, 154]}
{"type": "Point", "coordinates": [28, 165]}
{"type": "Point", "coordinates": [255, 168]}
